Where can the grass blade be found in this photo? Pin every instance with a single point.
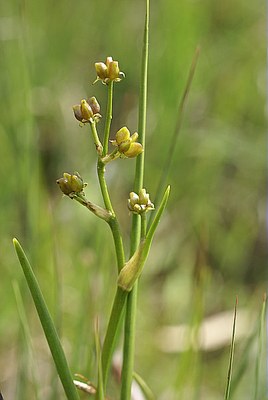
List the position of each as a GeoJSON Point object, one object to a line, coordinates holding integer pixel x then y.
{"type": "Point", "coordinates": [148, 394]}
{"type": "Point", "coordinates": [48, 325]}
{"type": "Point", "coordinates": [100, 391]}
{"type": "Point", "coordinates": [260, 349]}
{"type": "Point", "coordinates": [231, 358]}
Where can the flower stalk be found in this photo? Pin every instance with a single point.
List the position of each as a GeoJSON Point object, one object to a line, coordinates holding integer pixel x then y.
{"type": "Point", "coordinates": [130, 319]}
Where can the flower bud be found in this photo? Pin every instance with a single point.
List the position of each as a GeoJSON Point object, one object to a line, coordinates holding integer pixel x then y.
{"type": "Point", "coordinates": [124, 146]}
{"type": "Point", "coordinates": [134, 137]}
{"type": "Point", "coordinates": [140, 203]}
{"type": "Point", "coordinates": [77, 183]}
{"type": "Point", "coordinates": [122, 135]}
{"type": "Point", "coordinates": [144, 197]}
{"type": "Point", "coordinates": [113, 70]}
{"type": "Point", "coordinates": [94, 105]}
{"type": "Point", "coordinates": [101, 70]}
{"type": "Point", "coordinates": [134, 150]}
{"type": "Point", "coordinates": [132, 201]}
{"type": "Point", "coordinates": [109, 71]}
{"type": "Point", "coordinates": [86, 110]}
{"type": "Point", "coordinates": [64, 186]}
{"type": "Point", "coordinates": [71, 184]}
{"type": "Point", "coordinates": [77, 112]}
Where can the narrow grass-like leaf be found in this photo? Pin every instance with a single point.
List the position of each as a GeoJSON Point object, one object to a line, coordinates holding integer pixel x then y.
{"type": "Point", "coordinates": [48, 325]}
{"type": "Point", "coordinates": [231, 358]}
{"type": "Point", "coordinates": [144, 387]}
{"type": "Point", "coordinates": [260, 350]}
{"type": "Point", "coordinates": [100, 390]}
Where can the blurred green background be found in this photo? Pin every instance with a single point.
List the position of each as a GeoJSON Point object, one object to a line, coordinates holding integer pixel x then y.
{"type": "Point", "coordinates": [211, 243]}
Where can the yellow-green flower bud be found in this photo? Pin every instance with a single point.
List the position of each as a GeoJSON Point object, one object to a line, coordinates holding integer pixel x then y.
{"type": "Point", "coordinates": [134, 150]}
{"type": "Point", "coordinates": [109, 71]}
{"type": "Point", "coordinates": [113, 70]}
{"type": "Point", "coordinates": [122, 135]}
{"type": "Point", "coordinates": [64, 186]}
{"type": "Point", "coordinates": [144, 197]}
{"type": "Point", "coordinates": [124, 146]}
{"type": "Point", "coordinates": [132, 201]}
{"type": "Point", "coordinates": [140, 203]}
{"type": "Point", "coordinates": [134, 137]}
{"type": "Point", "coordinates": [71, 184]}
{"type": "Point", "coordinates": [101, 70]}
{"type": "Point", "coordinates": [77, 183]}
{"type": "Point", "coordinates": [137, 208]}
{"type": "Point", "coordinates": [86, 110]}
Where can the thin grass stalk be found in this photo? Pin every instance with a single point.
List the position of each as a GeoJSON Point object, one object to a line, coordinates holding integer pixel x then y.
{"type": "Point", "coordinates": [131, 307]}
{"type": "Point", "coordinates": [146, 390]}
{"type": "Point", "coordinates": [231, 358]}
{"type": "Point", "coordinates": [260, 350]}
{"type": "Point", "coordinates": [48, 325]}
{"type": "Point", "coordinates": [100, 391]}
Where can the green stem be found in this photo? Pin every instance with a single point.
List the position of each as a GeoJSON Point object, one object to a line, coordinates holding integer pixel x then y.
{"type": "Point", "coordinates": [112, 332]}
{"type": "Point", "coordinates": [103, 186]}
{"type": "Point", "coordinates": [131, 307]}
{"type": "Point", "coordinates": [109, 116]}
{"type": "Point", "coordinates": [96, 138]}
{"type": "Point", "coordinates": [143, 225]}
{"type": "Point", "coordinates": [48, 325]}
{"type": "Point", "coordinates": [118, 243]}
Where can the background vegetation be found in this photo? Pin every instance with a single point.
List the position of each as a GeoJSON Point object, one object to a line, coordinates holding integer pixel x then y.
{"type": "Point", "coordinates": [211, 244]}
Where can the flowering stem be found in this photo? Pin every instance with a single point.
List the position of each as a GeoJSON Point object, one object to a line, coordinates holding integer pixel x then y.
{"type": "Point", "coordinates": [96, 138]}
{"type": "Point", "coordinates": [130, 319]}
{"type": "Point", "coordinates": [109, 116]}
{"type": "Point", "coordinates": [143, 225]}
{"type": "Point", "coordinates": [103, 186]}
{"type": "Point", "coordinates": [120, 296]}
{"type": "Point", "coordinates": [118, 243]}
{"type": "Point", "coordinates": [112, 332]}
